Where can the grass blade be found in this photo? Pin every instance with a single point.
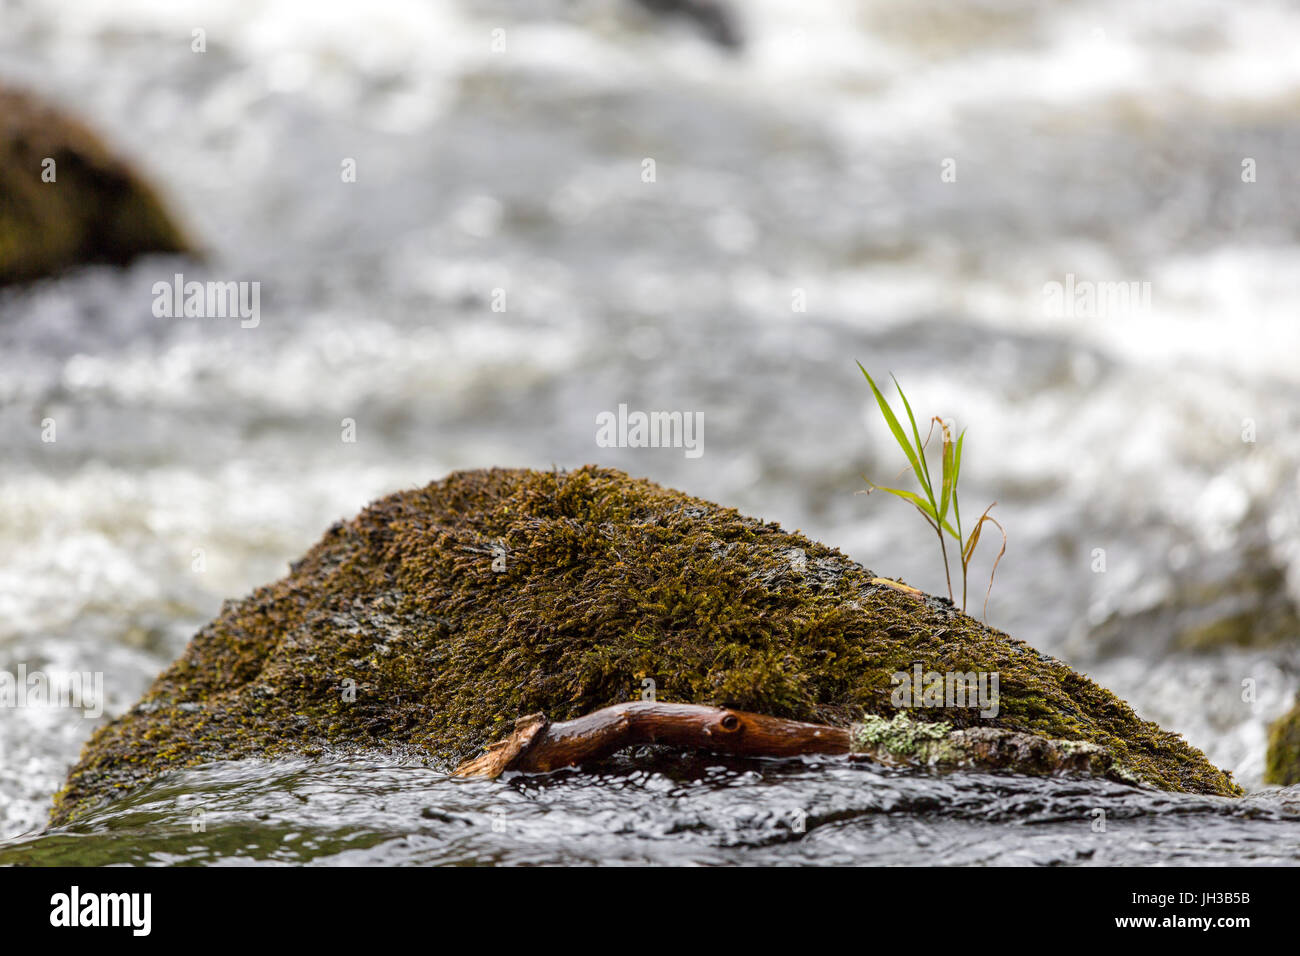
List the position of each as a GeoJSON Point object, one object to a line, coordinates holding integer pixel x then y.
{"type": "Point", "coordinates": [956, 458]}
{"type": "Point", "coordinates": [949, 474]}
{"type": "Point", "coordinates": [899, 436]}
{"type": "Point", "coordinates": [1001, 551]}
{"type": "Point", "coordinates": [921, 505]}
{"type": "Point", "coordinates": [956, 473]}
{"type": "Point", "coordinates": [911, 498]}
{"type": "Point", "coordinates": [974, 539]}
{"type": "Point", "coordinates": [923, 473]}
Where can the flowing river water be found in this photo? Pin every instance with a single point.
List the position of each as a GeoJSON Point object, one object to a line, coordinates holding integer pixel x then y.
{"type": "Point", "coordinates": [908, 185]}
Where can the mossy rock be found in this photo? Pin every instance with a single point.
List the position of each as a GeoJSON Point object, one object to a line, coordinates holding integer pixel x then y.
{"type": "Point", "coordinates": [1282, 764]}
{"type": "Point", "coordinates": [452, 609]}
{"type": "Point", "coordinates": [97, 209]}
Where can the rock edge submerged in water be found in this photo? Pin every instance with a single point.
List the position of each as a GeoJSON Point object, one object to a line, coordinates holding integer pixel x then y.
{"type": "Point", "coordinates": [97, 208]}
{"type": "Point", "coordinates": [437, 616]}
{"type": "Point", "coordinates": [1282, 763]}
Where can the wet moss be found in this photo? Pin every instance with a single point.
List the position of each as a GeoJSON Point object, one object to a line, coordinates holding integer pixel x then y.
{"type": "Point", "coordinates": [1282, 764]}
{"type": "Point", "coordinates": [452, 609]}
{"type": "Point", "coordinates": [98, 209]}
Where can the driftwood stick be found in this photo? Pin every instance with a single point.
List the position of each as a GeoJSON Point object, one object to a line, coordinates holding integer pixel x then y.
{"type": "Point", "coordinates": [537, 745]}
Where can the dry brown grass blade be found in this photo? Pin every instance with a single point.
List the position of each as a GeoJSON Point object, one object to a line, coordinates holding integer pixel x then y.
{"type": "Point", "coordinates": [900, 586]}
{"type": "Point", "coordinates": [1001, 551]}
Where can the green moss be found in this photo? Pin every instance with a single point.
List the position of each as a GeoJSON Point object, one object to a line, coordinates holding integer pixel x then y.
{"type": "Point", "coordinates": [607, 581]}
{"type": "Point", "coordinates": [1282, 764]}
{"type": "Point", "coordinates": [96, 210]}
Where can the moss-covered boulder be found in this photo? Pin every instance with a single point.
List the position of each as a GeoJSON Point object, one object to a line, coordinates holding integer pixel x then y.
{"type": "Point", "coordinates": [437, 616]}
{"type": "Point", "coordinates": [66, 200]}
{"type": "Point", "coordinates": [1282, 764]}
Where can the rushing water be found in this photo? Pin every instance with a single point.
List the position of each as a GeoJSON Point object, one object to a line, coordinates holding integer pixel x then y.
{"type": "Point", "coordinates": [664, 809]}
{"type": "Point", "coordinates": [1100, 140]}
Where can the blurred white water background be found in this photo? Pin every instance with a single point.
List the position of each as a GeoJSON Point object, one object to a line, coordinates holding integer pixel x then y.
{"type": "Point", "coordinates": [1092, 142]}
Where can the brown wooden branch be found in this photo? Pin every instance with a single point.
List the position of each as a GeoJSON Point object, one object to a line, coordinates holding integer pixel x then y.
{"type": "Point", "coordinates": [537, 745]}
